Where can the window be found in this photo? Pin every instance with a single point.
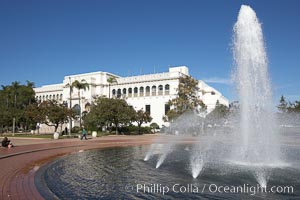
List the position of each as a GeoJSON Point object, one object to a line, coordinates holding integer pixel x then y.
{"type": "Point", "coordinates": [130, 92]}
{"type": "Point", "coordinates": [124, 92]}
{"type": "Point", "coordinates": [167, 89]}
{"type": "Point", "coordinates": [113, 92]}
{"type": "Point", "coordinates": [153, 90]}
{"type": "Point", "coordinates": [141, 91]}
{"type": "Point", "coordinates": [87, 107]}
{"type": "Point", "coordinates": [135, 91]}
{"type": "Point", "coordinates": [65, 103]}
{"type": "Point", "coordinates": [119, 93]}
{"type": "Point", "coordinates": [160, 90]}
{"type": "Point", "coordinates": [148, 109]}
{"type": "Point", "coordinates": [147, 91]}
{"type": "Point", "coordinates": [167, 108]}
{"type": "Point", "coordinates": [213, 93]}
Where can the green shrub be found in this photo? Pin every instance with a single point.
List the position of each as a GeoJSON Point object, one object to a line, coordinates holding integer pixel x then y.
{"type": "Point", "coordinates": [76, 129]}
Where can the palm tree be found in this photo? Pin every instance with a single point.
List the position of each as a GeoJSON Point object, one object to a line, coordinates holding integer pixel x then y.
{"type": "Point", "coordinates": [29, 88]}
{"type": "Point", "coordinates": [110, 81]}
{"type": "Point", "coordinates": [15, 86]}
{"type": "Point", "coordinates": [6, 91]}
{"type": "Point", "coordinates": [82, 85]}
{"type": "Point", "coordinates": [69, 85]}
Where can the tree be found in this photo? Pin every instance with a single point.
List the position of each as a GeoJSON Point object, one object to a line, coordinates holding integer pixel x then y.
{"type": "Point", "coordinates": [110, 81]}
{"type": "Point", "coordinates": [294, 107]}
{"type": "Point", "coordinates": [219, 114]}
{"type": "Point", "coordinates": [106, 111]}
{"type": "Point", "coordinates": [5, 95]}
{"type": "Point", "coordinates": [69, 85]}
{"type": "Point", "coordinates": [34, 115]}
{"type": "Point", "coordinates": [154, 126]}
{"type": "Point", "coordinates": [54, 114]}
{"type": "Point", "coordinates": [15, 86]}
{"type": "Point", "coordinates": [14, 99]}
{"type": "Point", "coordinates": [186, 100]}
{"type": "Point", "coordinates": [83, 85]}
{"type": "Point", "coordinates": [283, 105]}
{"type": "Point", "coordinates": [291, 107]}
{"type": "Point", "coordinates": [141, 117]}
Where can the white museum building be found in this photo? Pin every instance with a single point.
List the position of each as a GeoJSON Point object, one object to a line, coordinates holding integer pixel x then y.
{"type": "Point", "coordinates": [149, 92]}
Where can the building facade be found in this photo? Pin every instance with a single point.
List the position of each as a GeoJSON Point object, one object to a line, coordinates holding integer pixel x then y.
{"type": "Point", "coordinates": [149, 92]}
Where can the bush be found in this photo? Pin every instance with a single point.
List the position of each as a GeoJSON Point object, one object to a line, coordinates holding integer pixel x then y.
{"type": "Point", "coordinates": [76, 129]}
{"type": "Point", "coordinates": [132, 130]}
{"type": "Point", "coordinates": [154, 125]}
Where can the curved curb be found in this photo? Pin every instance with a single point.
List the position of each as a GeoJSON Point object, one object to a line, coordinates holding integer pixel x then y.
{"type": "Point", "coordinates": [36, 150]}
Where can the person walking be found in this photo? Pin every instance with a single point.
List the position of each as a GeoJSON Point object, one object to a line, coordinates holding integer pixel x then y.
{"type": "Point", "coordinates": [84, 132]}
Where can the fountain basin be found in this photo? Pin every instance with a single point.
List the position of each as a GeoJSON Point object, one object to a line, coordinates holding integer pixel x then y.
{"type": "Point", "coordinates": [115, 173]}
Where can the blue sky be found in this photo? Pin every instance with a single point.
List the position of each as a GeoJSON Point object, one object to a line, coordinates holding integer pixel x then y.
{"type": "Point", "coordinates": [45, 40]}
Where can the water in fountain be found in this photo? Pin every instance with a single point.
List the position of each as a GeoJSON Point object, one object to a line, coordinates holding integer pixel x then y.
{"type": "Point", "coordinates": [256, 131]}
{"type": "Point", "coordinates": [257, 123]}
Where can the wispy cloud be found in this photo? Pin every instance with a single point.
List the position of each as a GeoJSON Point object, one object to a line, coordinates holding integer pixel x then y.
{"type": "Point", "coordinates": [280, 87]}
{"type": "Point", "coordinates": [219, 80]}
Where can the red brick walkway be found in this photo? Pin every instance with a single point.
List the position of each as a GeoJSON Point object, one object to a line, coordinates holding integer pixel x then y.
{"type": "Point", "coordinates": [19, 164]}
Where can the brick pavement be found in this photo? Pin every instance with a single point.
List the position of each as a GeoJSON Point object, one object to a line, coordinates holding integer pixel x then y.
{"type": "Point", "coordinates": [19, 164]}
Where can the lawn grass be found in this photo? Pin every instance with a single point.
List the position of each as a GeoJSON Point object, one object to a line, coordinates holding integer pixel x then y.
{"type": "Point", "coordinates": [29, 135]}
{"type": "Point", "coordinates": [48, 135]}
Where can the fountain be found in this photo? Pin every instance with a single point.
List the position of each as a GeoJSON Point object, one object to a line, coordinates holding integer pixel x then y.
{"type": "Point", "coordinates": [257, 122]}
{"type": "Point", "coordinates": [257, 130]}
{"type": "Point", "coordinates": [253, 142]}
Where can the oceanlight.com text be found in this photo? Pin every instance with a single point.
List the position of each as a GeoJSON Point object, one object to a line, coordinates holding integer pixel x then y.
{"type": "Point", "coordinates": [208, 188]}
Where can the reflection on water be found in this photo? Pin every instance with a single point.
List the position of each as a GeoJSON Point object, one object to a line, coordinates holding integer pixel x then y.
{"type": "Point", "coordinates": [117, 173]}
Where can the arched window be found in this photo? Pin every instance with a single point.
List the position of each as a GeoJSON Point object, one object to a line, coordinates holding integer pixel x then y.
{"type": "Point", "coordinates": [50, 96]}
{"type": "Point", "coordinates": [141, 91]}
{"type": "Point", "coordinates": [43, 97]}
{"type": "Point", "coordinates": [113, 92]}
{"type": "Point", "coordinates": [61, 96]}
{"type": "Point", "coordinates": [57, 97]}
{"type": "Point", "coordinates": [87, 107]}
{"type": "Point", "coordinates": [160, 90]}
{"type": "Point", "coordinates": [167, 89]}
{"type": "Point", "coordinates": [153, 90]}
{"type": "Point", "coordinates": [119, 93]}
{"type": "Point", "coordinates": [46, 97]}
{"type": "Point", "coordinates": [124, 92]}
{"type": "Point", "coordinates": [130, 92]}
{"type": "Point", "coordinates": [147, 91]}
{"type": "Point", "coordinates": [135, 91]}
